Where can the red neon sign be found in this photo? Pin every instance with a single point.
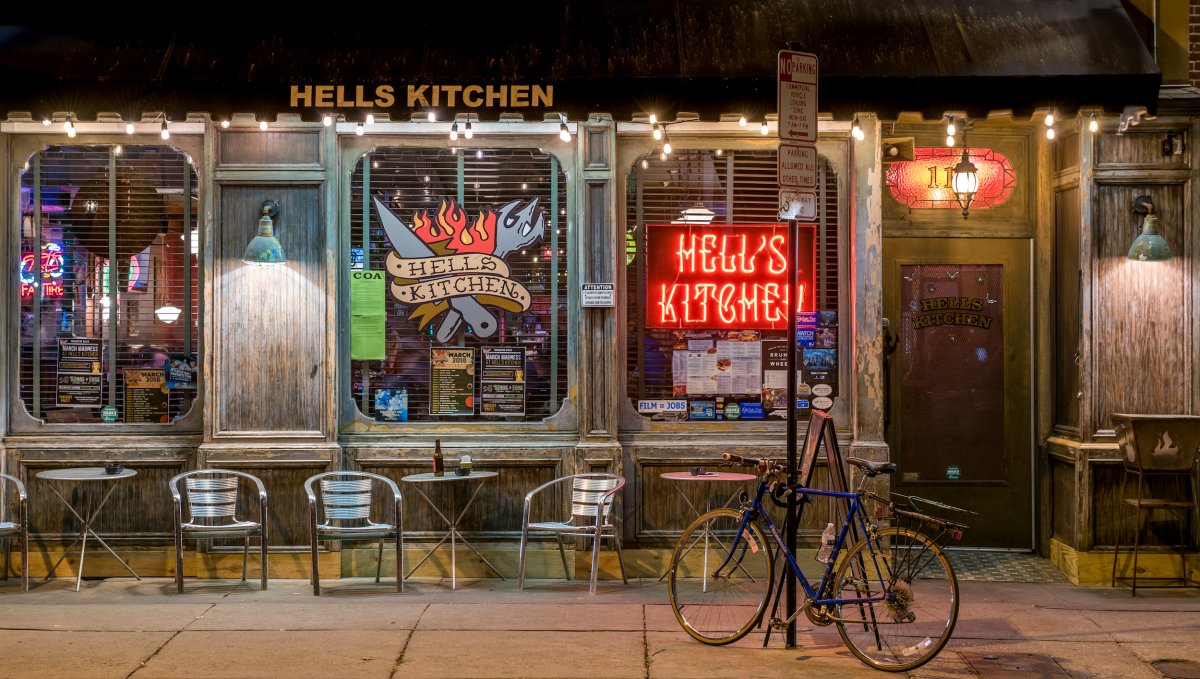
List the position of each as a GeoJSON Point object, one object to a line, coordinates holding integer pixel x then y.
{"type": "Point", "coordinates": [925, 181]}
{"type": "Point", "coordinates": [52, 271]}
{"type": "Point", "coordinates": [724, 276]}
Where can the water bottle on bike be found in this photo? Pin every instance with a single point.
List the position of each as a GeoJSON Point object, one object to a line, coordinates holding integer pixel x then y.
{"type": "Point", "coordinates": [827, 539]}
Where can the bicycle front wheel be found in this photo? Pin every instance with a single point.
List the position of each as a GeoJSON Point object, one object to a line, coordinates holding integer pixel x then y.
{"type": "Point", "coordinates": [720, 579]}
{"type": "Point", "coordinates": [917, 602]}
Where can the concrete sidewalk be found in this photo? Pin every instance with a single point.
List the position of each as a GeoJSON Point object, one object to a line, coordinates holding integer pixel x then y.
{"type": "Point", "coordinates": [120, 627]}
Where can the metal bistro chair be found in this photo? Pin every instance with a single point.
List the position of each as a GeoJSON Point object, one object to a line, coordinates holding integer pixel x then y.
{"type": "Point", "coordinates": [592, 496]}
{"type": "Point", "coordinates": [1162, 447]}
{"type": "Point", "coordinates": [212, 505]}
{"type": "Point", "coordinates": [344, 513]}
{"type": "Point", "coordinates": [14, 523]}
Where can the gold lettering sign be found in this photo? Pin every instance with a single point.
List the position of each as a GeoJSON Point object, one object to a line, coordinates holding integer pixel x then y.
{"type": "Point", "coordinates": [421, 96]}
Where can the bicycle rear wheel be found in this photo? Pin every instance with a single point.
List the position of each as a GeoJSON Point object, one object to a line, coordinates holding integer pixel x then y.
{"type": "Point", "coordinates": [919, 600]}
{"type": "Point", "coordinates": [718, 590]}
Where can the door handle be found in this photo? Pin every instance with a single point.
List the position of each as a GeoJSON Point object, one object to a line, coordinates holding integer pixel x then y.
{"type": "Point", "coordinates": [889, 345]}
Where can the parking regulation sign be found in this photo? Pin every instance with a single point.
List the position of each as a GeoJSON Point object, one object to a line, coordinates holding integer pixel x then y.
{"type": "Point", "coordinates": [797, 102]}
{"type": "Point", "coordinates": [797, 165]}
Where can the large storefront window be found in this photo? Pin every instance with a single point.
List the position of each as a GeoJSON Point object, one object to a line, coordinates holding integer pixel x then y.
{"type": "Point", "coordinates": [101, 343]}
{"type": "Point", "coordinates": [706, 260]}
{"type": "Point", "coordinates": [467, 251]}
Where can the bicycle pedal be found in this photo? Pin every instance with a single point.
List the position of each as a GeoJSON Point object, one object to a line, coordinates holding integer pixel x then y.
{"type": "Point", "coordinates": [779, 624]}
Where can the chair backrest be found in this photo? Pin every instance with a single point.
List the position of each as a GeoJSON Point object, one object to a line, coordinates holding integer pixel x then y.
{"type": "Point", "coordinates": [212, 494]}
{"type": "Point", "coordinates": [346, 497]}
{"type": "Point", "coordinates": [1158, 443]}
{"type": "Point", "coordinates": [587, 494]}
{"type": "Point", "coordinates": [12, 500]}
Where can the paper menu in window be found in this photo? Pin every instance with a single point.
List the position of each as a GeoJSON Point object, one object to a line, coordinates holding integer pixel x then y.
{"type": "Point", "coordinates": [701, 372]}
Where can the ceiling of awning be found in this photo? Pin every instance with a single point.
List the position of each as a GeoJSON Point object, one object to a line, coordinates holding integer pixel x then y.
{"type": "Point", "coordinates": [620, 57]}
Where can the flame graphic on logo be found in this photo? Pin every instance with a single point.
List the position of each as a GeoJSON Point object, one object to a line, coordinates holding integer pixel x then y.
{"type": "Point", "coordinates": [451, 228]}
{"type": "Point", "coordinates": [1166, 447]}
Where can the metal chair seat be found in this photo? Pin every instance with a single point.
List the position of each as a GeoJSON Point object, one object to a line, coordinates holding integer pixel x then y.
{"type": "Point", "coordinates": [592, 496]}
{"type": "Point", "coordinates": [564, 527]}
{"type": "Point", "coordinates": [212, 504]}
{"type": "Point", "coordinates": [18, 527]}
{"type": "Point", "coordinates": [340, 508]}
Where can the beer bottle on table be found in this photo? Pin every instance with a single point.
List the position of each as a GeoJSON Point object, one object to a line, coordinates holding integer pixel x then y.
{"type": "Point", "coordinates": [439, 463]}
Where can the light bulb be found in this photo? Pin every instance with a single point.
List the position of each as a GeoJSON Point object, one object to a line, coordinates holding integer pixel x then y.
{"type": "Point", "coordinates": [224, 124]}
{"type": "Point", "coordinates": [645, 164]}
{"type": "Point", "coordinates": [358, 129]}
{"type": "Point", "coordinates": [1049, 119]}
{"type": "Point", "coordinates": [742, 121]}
{"type": "Point", "coordinates": [1049, 132]}
{"type": "Point", "coordinates": [657, 133]}
{"type": "Point", "coordinates": [370, 118]}
{"type": "Point", "coordinates": [67, 124]}
{"type": "Point", "coordinates": [128, 128]}
{"type": "Point", "coordinates": [478, 156]}
{"type": "Point", "coordinates": [1093, 124]}
{"type": "Point", "coordinates": [327, 120]}
{"type": "Point", "coordinates": [564, 133]}
{"type": "Point", "coordinates": [45, 122]}
{"type": "Point", "coordinates": [762, 129]}
{"type": "Point", "coordinates": [71, 132]}
{"type": "Point", "coordinates": [163, 131]}
{"type": "Point", "coordinates": [667, 148]}
{"type": "Point", "coordinates": [720, 152]}
{"type": "Point", "coordinates": [467, 132]}
{"type": "Point", "coordinates": [662, 156]}
{"type": "Point", "coordinates": [949, 140]}
{"type": "Point", "coordinates": [653, 119]}
{"type": "Point", "coordinates": [951, 128]}
{"type": "Point", "coordinates": [118, 150]}
{"type": "Point", "coordinates": [454, 131]}
{"type": "Point", "coordinates": [432, 117]}
{"type": "Point", "coordinates": [856, 129]}
{"type": "Point", "coordinates": [262, 125]}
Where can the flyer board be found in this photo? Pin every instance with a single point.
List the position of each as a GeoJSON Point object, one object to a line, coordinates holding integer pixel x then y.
{"type": "Point", "coordinates": [502, 382]}
{"type": "Point", "coordinates": [452, 381]}
{"type": "Point", "coordinates": [145, 396]}
{"type": "Point", "coordinates": [80, 379]}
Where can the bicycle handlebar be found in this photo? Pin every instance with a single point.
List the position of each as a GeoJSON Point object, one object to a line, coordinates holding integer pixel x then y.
{"type": "Point", "coordinates": [761, 465]}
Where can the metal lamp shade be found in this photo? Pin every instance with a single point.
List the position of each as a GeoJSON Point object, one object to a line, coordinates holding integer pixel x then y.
{"type": "Point", "coordinates": [265, 249]}
{"type": "Point", "coordinates": [1150, 246]}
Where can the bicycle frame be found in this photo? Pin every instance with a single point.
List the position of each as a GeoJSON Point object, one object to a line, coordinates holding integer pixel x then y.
{"type": "Point", "coordinates": [853, 518]}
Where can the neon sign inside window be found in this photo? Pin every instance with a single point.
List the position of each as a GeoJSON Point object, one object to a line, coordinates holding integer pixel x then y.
{"type": "Point", "coordinates": [52, 271]}
{"type": "Point", "coordinates": [724, 276]}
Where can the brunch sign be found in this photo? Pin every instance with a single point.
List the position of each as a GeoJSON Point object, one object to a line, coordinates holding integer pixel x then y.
{"type": "Point", "coordinates": [724, 276]}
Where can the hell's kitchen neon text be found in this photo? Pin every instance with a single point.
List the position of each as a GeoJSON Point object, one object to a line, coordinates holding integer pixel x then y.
{"type": "Point", "coordinates": [723, 276]}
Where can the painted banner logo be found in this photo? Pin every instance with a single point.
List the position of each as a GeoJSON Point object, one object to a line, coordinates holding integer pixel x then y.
{"type": "Point", "coordinates": [451, 267]}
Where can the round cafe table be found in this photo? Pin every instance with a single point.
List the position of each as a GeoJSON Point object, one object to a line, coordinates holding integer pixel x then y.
{"type": "Point", "coordinates": [85, 475]}
{"type": "Point", "coordinates": [686, 478]}
{"type": "Point", "coordinates": [451, 517]}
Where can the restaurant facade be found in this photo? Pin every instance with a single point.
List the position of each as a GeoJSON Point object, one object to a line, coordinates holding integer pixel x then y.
{"type": "Point", "coordinates": [562, 259]}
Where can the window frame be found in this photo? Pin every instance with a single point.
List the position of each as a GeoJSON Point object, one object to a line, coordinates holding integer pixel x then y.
{"type": "Point", "coordinates": [835, 148]}
{"type": "Point", "coordinates": [30, 138]}
{"type": "Point", "coordinates": [563, 423]}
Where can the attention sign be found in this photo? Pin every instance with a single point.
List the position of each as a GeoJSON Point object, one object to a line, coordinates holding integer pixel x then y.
{"type": "Point", "coordinates": [724, 276]}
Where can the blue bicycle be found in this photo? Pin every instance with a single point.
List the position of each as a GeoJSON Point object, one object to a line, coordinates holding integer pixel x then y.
{"type": "Point", "coordinates": [892, 593]}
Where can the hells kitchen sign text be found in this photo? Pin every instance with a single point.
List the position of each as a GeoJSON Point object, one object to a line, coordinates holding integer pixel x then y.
{"type": "Point", "coordinates": [449, 267]}
{"type": "Point", "coordinates": [422, 96]}
{"type": "Point", "coordinates": [724, 276]}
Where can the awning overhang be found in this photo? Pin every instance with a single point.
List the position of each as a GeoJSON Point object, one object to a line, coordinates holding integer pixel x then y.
{"type": "Point", "coordinates": [620, 57]}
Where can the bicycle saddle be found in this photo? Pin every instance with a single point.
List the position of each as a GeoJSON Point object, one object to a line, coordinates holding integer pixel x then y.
{"type": "Point", "coordinates": [872, 468]}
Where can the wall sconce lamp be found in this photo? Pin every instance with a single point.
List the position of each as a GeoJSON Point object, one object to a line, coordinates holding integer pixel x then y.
{"type": "Point", "coordinates": [265, 249]}
{"type": "Point", "coordinates": [1149, 246]}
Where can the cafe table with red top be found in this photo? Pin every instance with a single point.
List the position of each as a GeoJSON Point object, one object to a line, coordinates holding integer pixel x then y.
{"type": "Point", "coordinates": [451, 517]}
{"type": "Point", "coordinates": [86, 475]}
{"type": "Point", "coordinates": [683, 479]}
